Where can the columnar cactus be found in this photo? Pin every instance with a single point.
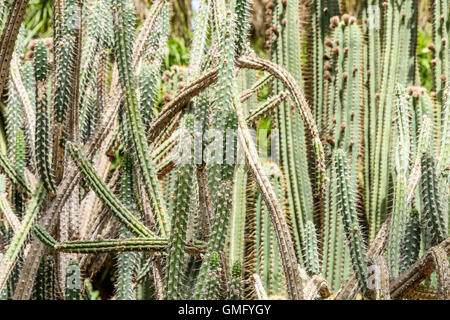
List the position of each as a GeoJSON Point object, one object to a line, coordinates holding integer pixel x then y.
{"type": "Point", "coordinates": [114, 158]}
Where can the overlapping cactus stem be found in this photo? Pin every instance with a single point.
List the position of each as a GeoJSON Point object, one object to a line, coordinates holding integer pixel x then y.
{"type": "Point", "coordinates": [44, 284]}
{"type": "Point", "coordinates": [8, 38]}
{"type": "Point", "coordinates": [266, 258]}
{"type": "Point", "coordinates": [199, 108]}
{"type": "Point", "coordinates": [43, 141]}
{"type": "Point", "coordinates": [402, 151]}
{"type": "Point", "coordinates": [16, 145]}
{"type": "Point", "coordinates": [343, 115]}
{"type": "Point", "coordinates": [432, 260]}
{"type": "Point", "coordinates": [211, 290]}
{"type": "Point", "coordinates": [410, 243]}
{"type": "Point", "coordinates": [108, 198]}
{"type": "Point", "coordinates": [64, 44]}
{"type": "Point", "coordinates": [221, 162]}
{"type": "Point", "coordinates": [127, 262]}
{"type": "Point", "coordinates": [372, 28]}
{"type": "Point", "coordinates": [184, 176]}
{"type": "Point", "coordinates": [318, 29]}
{"type": "Point", "coordinates": [440, 259]}
{"type": "Point", "coordinates": [20, 237]}
{"type": "Point", "coordinates": [292, 145]}
{"type": "Point", "coordinates": [237, 218]}
{"type": "Point", "coordinates": [444, 155]}
{"type": "Point", "coordinates": [277, 216]}
{"type": "Point", "coordinates": [398, 66]}
{"type": "Point", "coordinates": [123, 26]}
{"type": "Point", "coordinates": [434, 220]}
{"type": "Point", "coordinates": [103, 133]}
{"type": "Point", "coordinates": [346, 203]}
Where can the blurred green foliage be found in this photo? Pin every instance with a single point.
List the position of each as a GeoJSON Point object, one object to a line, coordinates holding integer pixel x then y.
{"type": "Point", "coordinates": [39, 17]}
{"type": "Point", "coordinates": [424, 57]}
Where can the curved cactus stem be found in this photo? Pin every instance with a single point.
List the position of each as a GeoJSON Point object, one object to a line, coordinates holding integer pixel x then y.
{"type": "Point", "coordinates": [6, 210]}
{"type": "Point", "coordinates": [284, 239]}
{"type": "Point", "coordinates": [18, 241]}
{"type": "Point", "coordinates": [8, 38]}
{"type": "Point", "coordinates": [301, 104]}
{"type": "Point", "coordinates": [266, 107]}
{"type": "Point", "coordinates": [420, 270]}
{"type": "Point", "coordinates": [105, 194]}
{"type": "Point", "coordinates": [123, 25]}
{"type": "Point", "coordinates": [12, 174]}
{"type": "Point", "coordinates": [96, 143]}
{"type": "Point", "coordinates": [317, 285]}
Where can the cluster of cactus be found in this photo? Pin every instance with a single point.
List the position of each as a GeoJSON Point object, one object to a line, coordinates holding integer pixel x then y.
{"type": "Point", "coordinates": [108, 154]}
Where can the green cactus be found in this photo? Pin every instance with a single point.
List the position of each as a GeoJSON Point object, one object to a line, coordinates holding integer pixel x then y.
{"type": "Point", "coordinates": [43, 127]}
{"type": "Point", "coordinates": [347, 209]}
{"type": "Point", "coordinates": [44, 285]}
{"type": "Point", "coordinates": [120, 166]}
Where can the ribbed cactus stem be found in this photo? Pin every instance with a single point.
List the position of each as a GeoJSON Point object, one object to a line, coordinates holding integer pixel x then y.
{"type": "Point", "coordinates": [212, 288]}
{"type": "Point", "coordinates": [241, 9]}
{"type": "Point", "coordinates": [44, 284]}
{"type": "Point", "coordinates": [221, 164]}
{"type": "Point", "coordinates": [436, 230]}
{"type": "Point", "coordinates": [43, 125]}
{"type": "Point", "coordinates": [347, 209]}
{"type": "Point", "coordinates": [184, 186]}
{"type": "Point", "coordinates": [123, 29]}
{"type": "Point", "coordinates": [311, 250]}
{"type": "Point", "coordinates": [235, 284]}
{"type": "Point", "coordinates": [410, 245]}
{"type": "Point", "coordinates": [127, 262]}
{"type": "Point", "coordinates": [402, 151]}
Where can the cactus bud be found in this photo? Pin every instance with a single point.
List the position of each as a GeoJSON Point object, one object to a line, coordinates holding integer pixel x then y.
{"type": "Point", "coordinates": [334, 21]}
{"type": "Point", "coordinates": [329, 43]}
{"type": "Point", "coordinates": [167, 98]}
{"type": "Point", "coordinates": [346, 18]}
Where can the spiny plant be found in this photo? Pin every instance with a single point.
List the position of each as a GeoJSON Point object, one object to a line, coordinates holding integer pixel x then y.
{"type": "Point", "coordinates": [319, 173]}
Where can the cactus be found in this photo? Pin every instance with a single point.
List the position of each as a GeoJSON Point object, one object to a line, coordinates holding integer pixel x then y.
{"type": "Point", "coordinates": [347, 209]}
{"type": "Point", "coordinates": [114, 158]}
